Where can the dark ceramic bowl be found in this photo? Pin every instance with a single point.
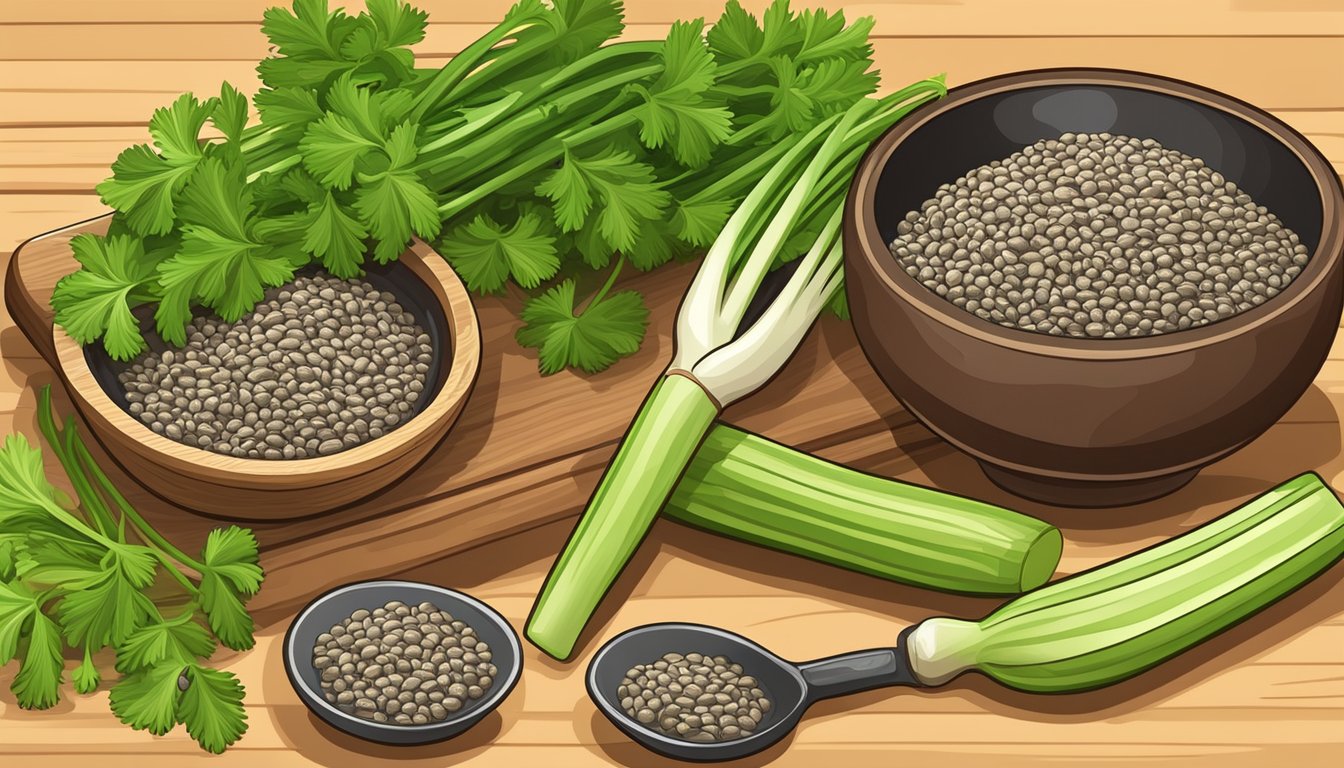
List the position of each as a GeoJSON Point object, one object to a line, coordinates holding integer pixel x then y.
{"type": "Point", "coordinates": [326, 611]}
{"type": "Point", "coordinates": [1092, 422]}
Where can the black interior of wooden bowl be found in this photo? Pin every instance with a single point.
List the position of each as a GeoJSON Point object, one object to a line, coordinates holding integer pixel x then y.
{"type": "Point", "coordinates": [996, 125]}
{"type": "Point", "coordinates": [396, 278]}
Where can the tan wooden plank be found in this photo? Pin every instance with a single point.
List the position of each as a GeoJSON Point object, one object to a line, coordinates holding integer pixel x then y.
{"type": "Point", "coordinates": [1182, 708]}
{"type": "Point", "coordinates": [910, 17]}
{"type": "Point", "coordinates": [47, 160]}
{"type": "Point", "coordinates": [22, 216]}
{"type": "Point", "coordinates": [125, 92]}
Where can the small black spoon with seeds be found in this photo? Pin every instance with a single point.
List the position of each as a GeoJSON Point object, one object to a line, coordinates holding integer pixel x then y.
{"type": "Point", "coordinates": [789, 687]}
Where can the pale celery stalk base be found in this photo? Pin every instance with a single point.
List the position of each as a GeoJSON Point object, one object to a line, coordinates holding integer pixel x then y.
{"type": "Point", "coordinates": [1113, 622]}
{"type": "Point", "coordinates": [746, 487]}
{"type": "Point", "coordinates": [661, 441]}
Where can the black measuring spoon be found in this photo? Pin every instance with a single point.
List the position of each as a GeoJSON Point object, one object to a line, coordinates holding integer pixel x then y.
{"type": "Point", "coordinates": [792, 687]}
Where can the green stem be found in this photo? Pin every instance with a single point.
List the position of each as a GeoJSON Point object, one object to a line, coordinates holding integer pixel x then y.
{"type": "Point", "coordinates": [279, 166]}
{"type": "Point", "coordinates": [664, 436]}
{"type": "Point", "coordinates": [606, 287]}
{"type": "Point", "coordinates": [461, 65]}
{"type": "Point", "coordinates": [533, 161]}
{"type": "Point", "coordinates": [146, 531]}
{"type": "Point", "coordinates": [486, 150]}
{"type": "Point", "coordinates": [89, 498]}
{"type": "Point", "coordinates": [79, 450]}
{"type": "Point", "coordinates": [46, 423]}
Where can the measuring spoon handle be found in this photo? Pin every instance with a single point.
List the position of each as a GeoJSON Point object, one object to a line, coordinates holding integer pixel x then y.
{"type": "Point", "coordinates": [859, 671]}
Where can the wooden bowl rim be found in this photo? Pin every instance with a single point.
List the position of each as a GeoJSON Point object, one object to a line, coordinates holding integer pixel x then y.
{"type": "Point", "coordinates": [463, 362]}
{"type": "Point", "coordinates": [862, 198]}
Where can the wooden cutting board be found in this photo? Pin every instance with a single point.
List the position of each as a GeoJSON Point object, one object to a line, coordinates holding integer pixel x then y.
{"type": "Point", "coordinates": [529, 449]}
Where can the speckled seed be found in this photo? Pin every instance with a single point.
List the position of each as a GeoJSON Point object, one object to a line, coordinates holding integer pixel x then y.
{"type": "Point", "coordinates": [688, 696]}
{"type": "Point", "coordinates": [376, 665]}
{"type": "Point", "coordinates": [1098, 236]}
{"type": "Point", "coordinates": [255, 388]}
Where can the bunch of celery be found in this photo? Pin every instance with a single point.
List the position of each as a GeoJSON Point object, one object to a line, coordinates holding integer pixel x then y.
{"type": "Point", "coordinates": [538, 155]}
{"type": "Point", "coordinates": [713, 364]}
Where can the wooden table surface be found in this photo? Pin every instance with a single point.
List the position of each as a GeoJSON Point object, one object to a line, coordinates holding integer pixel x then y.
{"type": "Point", "coordinates": [79, 78]}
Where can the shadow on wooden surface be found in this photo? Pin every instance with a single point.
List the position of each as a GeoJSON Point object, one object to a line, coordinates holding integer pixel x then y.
{"type": "Point", "coordinates": [620, 749]}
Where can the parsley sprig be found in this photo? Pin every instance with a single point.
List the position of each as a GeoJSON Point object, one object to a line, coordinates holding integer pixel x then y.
{"type": "Point", "coordinates": [93, 574]}
{"type": "Point", "coordinates": [543, 155]}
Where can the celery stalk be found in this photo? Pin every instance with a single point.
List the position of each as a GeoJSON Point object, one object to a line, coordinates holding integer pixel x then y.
{"type": "Point", "coordinates": [661, 441]}
{"type": "Point", "coordinates": [751, 488]}
{"type": "Point", "coordinates": [1113, 622]}
{"type": "Point", "coordinates": [720, 364]}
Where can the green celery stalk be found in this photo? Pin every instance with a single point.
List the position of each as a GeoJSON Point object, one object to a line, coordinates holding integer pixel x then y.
{"type": "Point", "coordinates": [750, 488]}
{"type": "Point", "coordinates": [1115, 621]}
{"type": "Point", "coordinates": [661, 441]}
{"type": "Point", "coordinates": [713, 365]}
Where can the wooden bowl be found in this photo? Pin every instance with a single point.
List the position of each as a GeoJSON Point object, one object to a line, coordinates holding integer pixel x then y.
{"type": "Point", "coordinates": [1098, 422]}
{"type": "Point", "coordinates": [262, 489]}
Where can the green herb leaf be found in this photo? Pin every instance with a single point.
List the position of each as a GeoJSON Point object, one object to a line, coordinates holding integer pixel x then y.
{"type": "Point", "coordinates": [181, 641]}
{"type": "Point", "coordinates": [176, 128]}
{"type": "Point", "coordinates": [676, 111]}
{"type": "Point", "coordinates": [17, 604]}
{"type": "Point", "coordinates": [147, 700]}
{"type": "Point", "coordinates": [231, 553]}
{"type": "Point", "coordinates": [656, 244]}
{"type": "Point", "coordinates": [393, 205]}
{"type": "Point", "coordinates": [331, 149]}
{"type": "Point", "coordinates": [398, 24]}
{"type": "Point", "coordinates": [736, 35]}
{"type": "Point", "coordinates": [142, 187]}
{"type": "Point", "coordinates": [400, 147]}
{"type": "Point", "coordinates": [335, 237]}
{"type": "Point", "coordinates": [309, 41]}
{"type": "Point", "coordinates": [212, 708]}
{"type": "Point", "coordinates": [288, 106]}
{"type": "Point", "coordinates": [96, 301]}
{"type": "Point", "coordinates": [230, 113]}
{"type": "Point", "coordinates": [57, 561]}
{"type": "Point", "coordinates": [824, 36]}
{"type": "Point", "coordinates": [9, 557]}
{"type": "Point", "coordinates": [698, 222]}
{"type": "Point", "coordinates": [38, 683]}
{"type": "Point", "coordinates": [580, 26]}
{"type": "Point", "coordinates": [86, 676]}
{"type": "Point", "coordinates": [225, 613]}
{"type": "Point", "coordinates": [486, 253]}
{"type": "Point", "coordinates": [219, 261]}
{"type": "Point", "coordinates": [605, 332]}
{"type": "Point", "coordinates": [103, 612]}
{"type": "Point", "coordinates": [570, 190]}
{"type": "Point", "coordinates": [23, 485]}
{"type": "Point", "coordinates": [626, 190]}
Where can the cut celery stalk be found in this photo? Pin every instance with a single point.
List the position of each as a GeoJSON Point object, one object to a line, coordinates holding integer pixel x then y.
{"type": "Point", "coordinates": [750, 488]}
{"type": "Point", "coordinates": [1115, 621]}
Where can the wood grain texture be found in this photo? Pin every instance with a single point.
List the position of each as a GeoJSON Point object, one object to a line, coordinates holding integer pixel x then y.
{"type": "Point", "coordinates": [79, 78]}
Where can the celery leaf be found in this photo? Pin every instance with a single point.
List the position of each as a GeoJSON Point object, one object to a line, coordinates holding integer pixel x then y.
{"type": "Point", "coordinates": [486, 253]}
{"type": "Point", "coordinates": [603, 333]}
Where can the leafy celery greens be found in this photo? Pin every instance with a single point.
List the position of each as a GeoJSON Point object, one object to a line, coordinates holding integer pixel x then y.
{"type": "Point", "coordinates": [543, 155]}
{"type": "Point", "coordinates": [82, 575]}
